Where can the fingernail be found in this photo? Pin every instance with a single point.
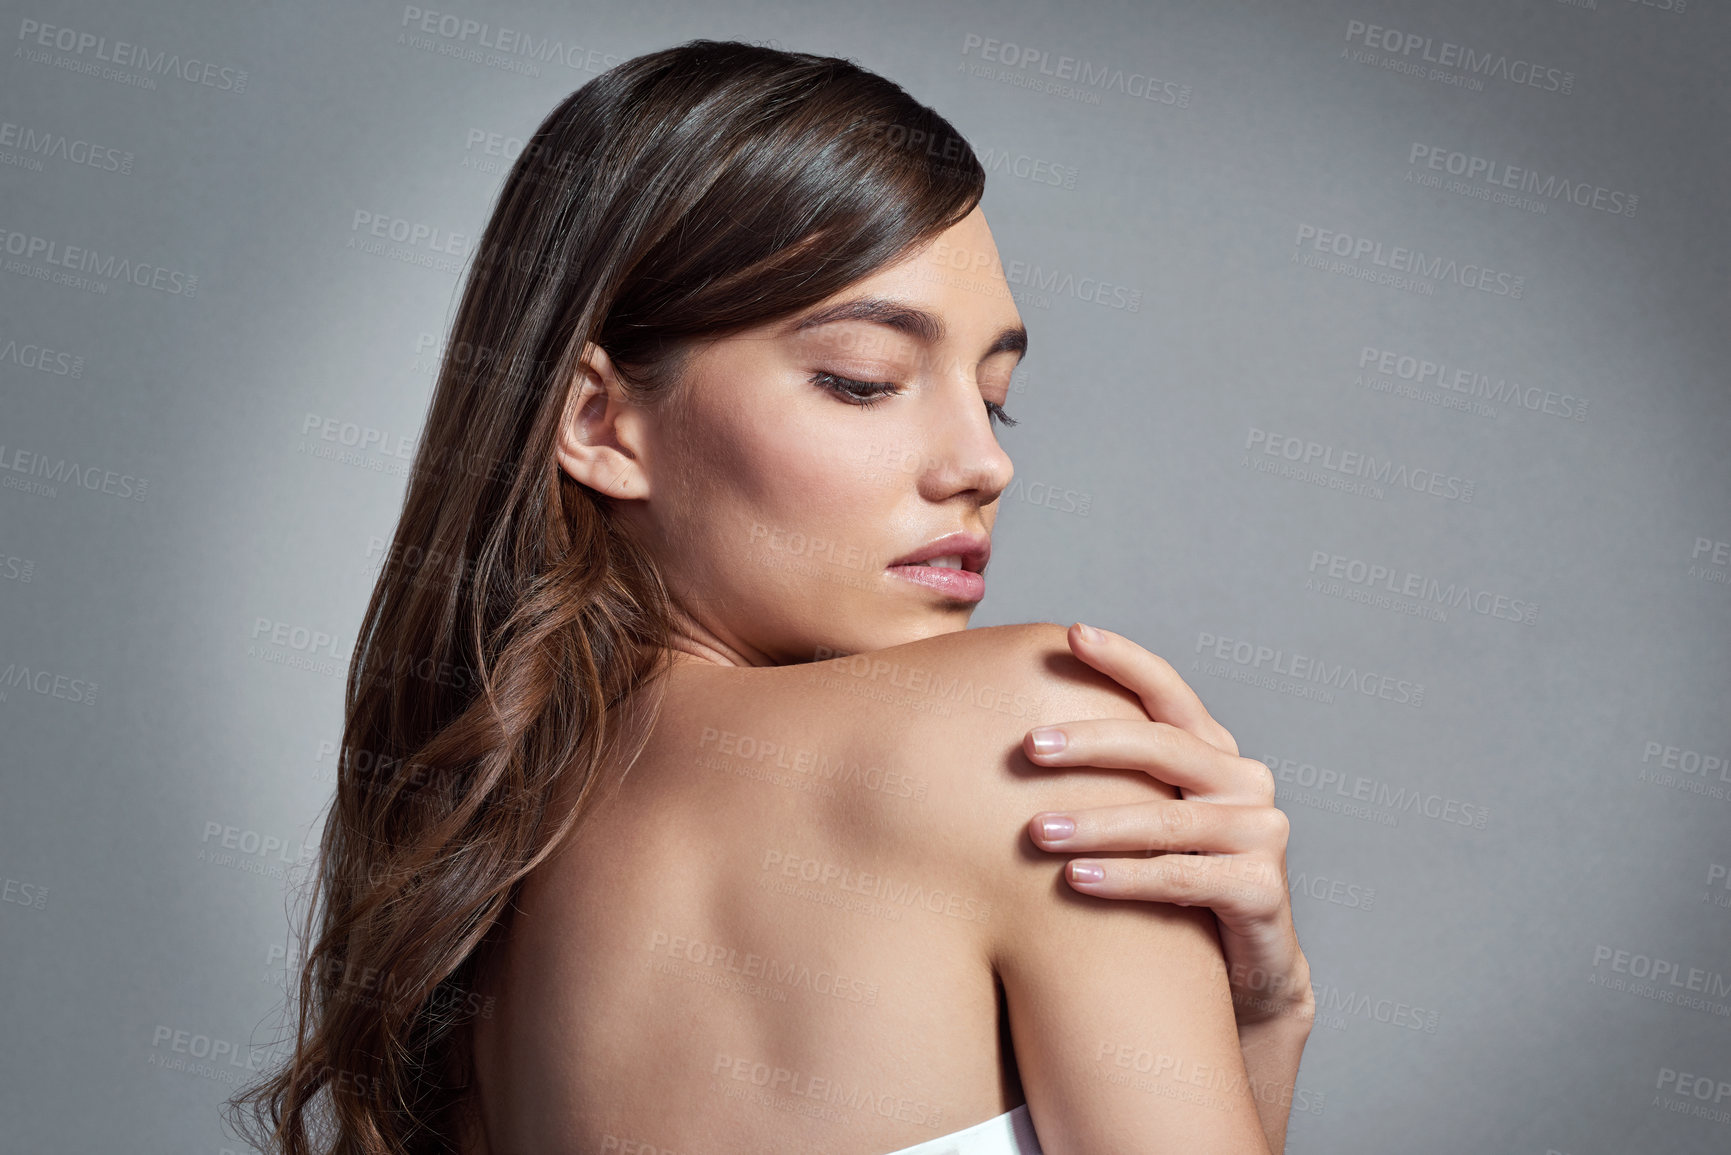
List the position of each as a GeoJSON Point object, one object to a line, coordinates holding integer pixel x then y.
{"type": "Point", "coordinates": [1056, 827]}
{"type": "Point", "coordinates": [1089, 633]}
{"type": "Point", "coordinates": [1048, 740]}
{"type": "Point", "coordinates": [1085, 872]}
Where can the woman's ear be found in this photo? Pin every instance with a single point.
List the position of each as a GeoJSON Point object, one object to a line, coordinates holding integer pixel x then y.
{"type": "Point", "coordinates": [600, 441]}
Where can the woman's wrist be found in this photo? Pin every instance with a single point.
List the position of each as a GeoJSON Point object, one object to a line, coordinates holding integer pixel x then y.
{"type": "Point", "coordinates": [1291, 1008]}
{"type": "Point", "coordinates": [1294, 1018]}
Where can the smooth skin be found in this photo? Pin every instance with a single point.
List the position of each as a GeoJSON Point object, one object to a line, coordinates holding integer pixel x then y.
{"type": "Point", "coordinates": [809, 919]}
{"type": "Point", "coordinates": [1230, 837]}
{"type": "Point", "coordinates": [760, 493]}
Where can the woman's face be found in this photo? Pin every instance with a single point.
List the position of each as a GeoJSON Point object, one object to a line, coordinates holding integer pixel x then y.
{"type": "Point", "coordinates": [778, 506]}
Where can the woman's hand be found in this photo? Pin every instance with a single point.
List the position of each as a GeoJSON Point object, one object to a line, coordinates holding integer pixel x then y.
{"type": "Point", "coordinates": [1224, 838]}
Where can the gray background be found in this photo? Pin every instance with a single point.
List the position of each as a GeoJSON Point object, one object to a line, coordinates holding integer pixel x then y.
{"type": "Point", "coordinates": [177, 493]}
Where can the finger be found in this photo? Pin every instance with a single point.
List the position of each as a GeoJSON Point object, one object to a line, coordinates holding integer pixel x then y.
{"type": "Point", "coordinates": [1159, 749]}
{"type": "Point", "coordinates": [1167, 826]}
{"type": "Point", "coordinates": [1165, 695]}
{"type": "Point", "coordinates": [1240, 890]}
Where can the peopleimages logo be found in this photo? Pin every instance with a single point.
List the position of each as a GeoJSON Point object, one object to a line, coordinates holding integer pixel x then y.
{"type": "Point", "coordinates": [1314, 460]}
{"type": "Point", "coordinates": [1717, 567]}
{"type": "Point", "coordinates": [1422, 371]}
{"type": "Point", "coordinates": [1328, 570]}
{"type": "Point", "coordinates": [510, 45]}
{"type": "Point", "coordinates": [1401, 259]}
{"type": "Point", "coordinates": [56, 471]}
{"type": "Point", "coordinates": [41, 358]}
{"type": "Point", "coordinates": [1417, 50]}
{"type": "Point", "coordinates": [97, 51]}
{"type": "Point", "coordinates": [1494, 176]}
{"type": "Point", "coordinates": [1040, 279]}
{"type": "Point", "coordinates": [96, 269]}
{"type": "Point", "coordinates": [1068, 76]}
{"type": "Point", "coordinates": [1661, 973]}
{"type": "Point", "coordinates": [1334, 790]}
{"type": "Point", "coordinates": [46, 683]}
{"type": "Point", "coordinates": [33, 143]}
{"type": "Point", "coordinates": [1029, 168]}
{"type": "Point", "coordinates": [1685, 1086]}
{"type": "Point", "coordinates": [1265, 664]}
{"type": "Point", "coordinates": [1333, 1002]}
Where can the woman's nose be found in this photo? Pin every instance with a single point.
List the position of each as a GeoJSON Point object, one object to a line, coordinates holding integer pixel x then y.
{"type": "Point", "coordinates": [962, 450]}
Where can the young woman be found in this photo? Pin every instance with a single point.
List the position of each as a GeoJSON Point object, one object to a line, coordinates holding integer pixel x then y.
{"type": "Point", "coordinates": [680, 810]}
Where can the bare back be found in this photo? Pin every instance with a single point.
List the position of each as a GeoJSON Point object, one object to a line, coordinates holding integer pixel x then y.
{"type": "Point", "coordinates": [771, 936]}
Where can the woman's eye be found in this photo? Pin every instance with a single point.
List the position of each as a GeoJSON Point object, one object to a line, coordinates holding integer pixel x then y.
{"type": "Point", "coordinates": [865, 393]}
{"type": "Point", "coordinates": [861, 393]}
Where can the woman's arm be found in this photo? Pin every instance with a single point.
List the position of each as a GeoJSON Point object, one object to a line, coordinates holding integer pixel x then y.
{"type": "Point", "coordinates": [1227, 812]}
{"type": "Point", "coordinates": [1120, 1013]}
{"type": "Point", "coordinates": [1122, 1024]}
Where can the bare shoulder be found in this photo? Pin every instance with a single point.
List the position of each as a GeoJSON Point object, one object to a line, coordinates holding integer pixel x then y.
{"type": "Point", "coordinates": [914, 753]}
{"type": "Point", "coordinates": [929, 800]}
{"type": "Point", "coordinates": [962, 681]}
{"type": "Point", "coordinates": [951, 712]}
{"type": "Point", "coordinates": [1151, 978]}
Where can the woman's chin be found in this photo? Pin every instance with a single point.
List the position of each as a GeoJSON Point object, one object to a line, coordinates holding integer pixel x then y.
{"type": "Point", "coordinates": [850, 639]}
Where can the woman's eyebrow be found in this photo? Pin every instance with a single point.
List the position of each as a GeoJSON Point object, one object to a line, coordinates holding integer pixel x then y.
{"type": "Point", "coordinates": [916, 322]}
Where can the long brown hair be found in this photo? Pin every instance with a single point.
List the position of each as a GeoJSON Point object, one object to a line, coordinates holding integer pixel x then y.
{"type": "Point", "coordinates": [684, 194]}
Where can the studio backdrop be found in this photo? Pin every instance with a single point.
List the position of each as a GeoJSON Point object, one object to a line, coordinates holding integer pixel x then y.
{"type": "Point", "coordinates": [1377, 380]}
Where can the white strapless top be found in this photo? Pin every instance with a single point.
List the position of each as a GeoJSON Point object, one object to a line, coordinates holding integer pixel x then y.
{"type": "Point", "coordinates": [1011, 1133]}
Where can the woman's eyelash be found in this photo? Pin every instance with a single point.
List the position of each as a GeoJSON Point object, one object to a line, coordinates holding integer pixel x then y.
{"type": "Point", "coordinates": [868, 393]}
{"type": "Point", "coordinates": [861, 393]}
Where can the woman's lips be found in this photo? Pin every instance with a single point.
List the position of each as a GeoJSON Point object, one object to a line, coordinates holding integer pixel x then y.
{"type": "Point", "coordinates": [963, 585]}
